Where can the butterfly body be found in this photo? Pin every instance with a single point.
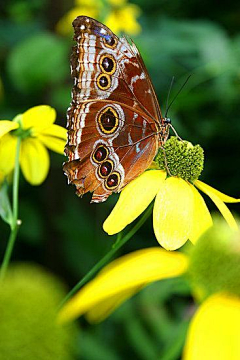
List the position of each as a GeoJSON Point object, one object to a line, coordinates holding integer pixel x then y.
{"type": "Point", "coordinates": [115, 126]}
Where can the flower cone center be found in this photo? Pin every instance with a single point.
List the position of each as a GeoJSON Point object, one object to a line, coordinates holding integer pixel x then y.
{"type": "Point", "coordinates": [181, 159]}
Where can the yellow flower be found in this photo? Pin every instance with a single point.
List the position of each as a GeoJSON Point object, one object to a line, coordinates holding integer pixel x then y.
{"type": "Point", "coordinates": [179, 212]}
{"type": "Point", "coordinates": [37, 131]}
{"type": "Point", "coordinates": [118, 15]}
{"type": "Point", "coordinates": [124, 19]}
{"type": "Point", "coordinates": [64, 26]}
{"type": "Point", "coordinates": [121, 279]}
{"type": "Point", "coordinates": [214, 268]}
{"type": "Point", "coordinates": [214, 328]}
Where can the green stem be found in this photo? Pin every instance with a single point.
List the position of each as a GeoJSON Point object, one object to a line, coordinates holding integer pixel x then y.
{"type": "Point", "coordinates": [116, 246]}
{"type": "Point", "coordinates": [15, 222]}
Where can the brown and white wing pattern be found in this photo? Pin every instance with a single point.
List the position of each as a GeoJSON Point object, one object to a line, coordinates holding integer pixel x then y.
{"type": "Point", "coordinates": [113, 118]}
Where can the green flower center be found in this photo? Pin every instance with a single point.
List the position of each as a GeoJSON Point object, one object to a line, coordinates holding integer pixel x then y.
{"type": "Point", "coordinates": [215, 260]}
{"type": "Point", "coordinates": [181, 159]}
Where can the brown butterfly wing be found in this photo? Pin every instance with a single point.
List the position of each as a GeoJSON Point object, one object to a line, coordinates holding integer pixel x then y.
{"type": "Point", "coordinates": [130, 82]}
{"type": "Point", "coordinates": [95, 160]}
{"type": "Point", "coordinates": [113, 118]}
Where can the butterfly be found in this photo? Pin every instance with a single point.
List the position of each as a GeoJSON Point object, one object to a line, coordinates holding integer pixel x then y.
{"type": "Point", "coordinates": [115, 126]}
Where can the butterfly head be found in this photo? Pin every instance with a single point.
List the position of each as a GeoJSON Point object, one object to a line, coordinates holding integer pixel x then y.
{"type": "Point", "coordinates": [166, 121]}
{"type": "Point", "coordinates": [166, 125]}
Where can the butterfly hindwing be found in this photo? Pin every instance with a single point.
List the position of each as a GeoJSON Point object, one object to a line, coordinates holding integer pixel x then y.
{"type": "Point", "coordinates": [95, 143]}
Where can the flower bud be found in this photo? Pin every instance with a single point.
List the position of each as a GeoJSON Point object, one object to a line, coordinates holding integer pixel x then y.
{"type": "Point", "coordinates": [215, 260]}
{"type": "Point", "coordinates": [29, 297]}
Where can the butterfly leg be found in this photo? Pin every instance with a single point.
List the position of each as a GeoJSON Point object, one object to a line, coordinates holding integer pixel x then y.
{"type": "Point", "coordinates": [175, 132]}
{"type": "Point", "coordinates": [165, 160]}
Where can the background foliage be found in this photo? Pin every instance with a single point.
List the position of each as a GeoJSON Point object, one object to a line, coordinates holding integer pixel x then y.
{"type": "Point", "coordinates": [64, 233]}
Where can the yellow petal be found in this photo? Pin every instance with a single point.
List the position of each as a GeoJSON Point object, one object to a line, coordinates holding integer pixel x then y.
{"type": "Point", "coordinates": [133, 200]}
{"type": "Point", "coordinates": [104, 308]}
{"type": "Point", "coordinates": [124, 19]}
{"type": "Point", "coordinates": [121, 278]}
{"type": "Point", "coordinates": [64, 26]}
{"type": "Point", "coordinates": [6, 126]}
{"type": "Point", "coordinates": [55, 131]}
{"type": "Point", "coordinates": [213, 194]}
{"type": "Point", "coordinates": [34, 161]}
{"type": "Point", "coordinates": [53, 143]}
{"type": "Point", "coordinates": [38, 117]}
{"type": "Point", "coordinates": [8, 145]}
{"type": "Point", "coordinates": [214, 330]}
{"type": "Point", "coordinates": [202, 219]}
{"type": "Point", "coordinates": [225, 198]}
{"type": "Point", "coordinates": [54, 137]}
{"type": "Point", "coordinates": [173, 213]}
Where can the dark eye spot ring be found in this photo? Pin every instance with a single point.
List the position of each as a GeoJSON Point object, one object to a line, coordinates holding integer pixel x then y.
{"type": "Point", "coordinates": [113, 181]}
{"type": "Point", "coordinates": [110, 42]}
{"type": "Point", "coordinates": [108, 64]}
{"type": "Point", "coordinates": [104, 81]}
{"type": "Point", "coordinates": [108, 120]}
{"type": "Point", "coordinates": [100, 154]}
{"type": "Point", "coordinates": [105, 168]}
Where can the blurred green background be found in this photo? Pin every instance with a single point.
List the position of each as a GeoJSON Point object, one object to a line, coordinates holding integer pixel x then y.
{"type": "Point", "coordinates": [64, 233]}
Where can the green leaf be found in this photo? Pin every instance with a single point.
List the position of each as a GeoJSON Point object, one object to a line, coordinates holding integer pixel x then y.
{"type": "Point", "coordinates": [38, 61]}
{"type": "Point", "coordinates": [5, 207]}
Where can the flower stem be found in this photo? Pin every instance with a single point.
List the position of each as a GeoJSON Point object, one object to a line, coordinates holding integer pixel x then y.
{"type": "Point", "coordinates": [15, 222]}
{"type": "Point", "coordinates": [115, 247]}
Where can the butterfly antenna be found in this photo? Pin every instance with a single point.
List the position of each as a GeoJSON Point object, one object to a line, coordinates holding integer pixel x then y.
{"type": "Point", "coordinates": [185, 82]}
{"type": "Point", "coordinates": [169, 91]}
